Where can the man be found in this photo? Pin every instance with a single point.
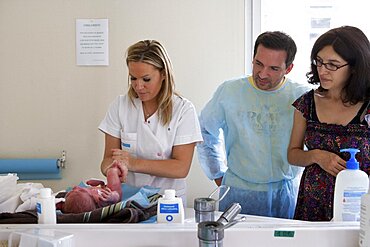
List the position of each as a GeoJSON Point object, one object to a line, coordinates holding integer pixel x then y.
{"type": "Point", "coordinates": [251, 119]}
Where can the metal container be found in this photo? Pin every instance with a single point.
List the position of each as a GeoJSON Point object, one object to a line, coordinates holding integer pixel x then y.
{"type": "Point", "coordinates": [205, 207]}
{"type": "Point", "coordinates": [210, 234]}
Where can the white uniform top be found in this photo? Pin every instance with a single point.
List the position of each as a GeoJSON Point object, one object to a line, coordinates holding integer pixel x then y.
{"type": "Point", "coordinates": [150, 139]}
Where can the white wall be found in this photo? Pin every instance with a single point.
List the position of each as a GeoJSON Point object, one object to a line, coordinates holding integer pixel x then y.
{"type": "Point", "coordinates": [48, 104]}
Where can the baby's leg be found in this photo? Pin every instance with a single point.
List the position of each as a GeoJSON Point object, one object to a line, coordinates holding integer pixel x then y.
{"type": "Point", "coordinates": [114, 180]}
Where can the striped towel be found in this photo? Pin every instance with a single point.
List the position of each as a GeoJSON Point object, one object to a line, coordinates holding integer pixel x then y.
{"type": "Point", "coordinates": [129, 212]}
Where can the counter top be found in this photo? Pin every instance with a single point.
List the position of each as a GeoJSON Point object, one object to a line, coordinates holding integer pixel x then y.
{"type": "Point", "coordinates": [255, 231]}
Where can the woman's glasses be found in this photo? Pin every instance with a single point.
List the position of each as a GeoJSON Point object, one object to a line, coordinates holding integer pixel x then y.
{"type": "Point", "coordinates": [329, 66]}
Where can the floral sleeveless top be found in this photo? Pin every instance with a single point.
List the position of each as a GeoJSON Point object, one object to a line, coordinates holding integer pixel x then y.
{"type": "Point", "coordinates": [316, 190]}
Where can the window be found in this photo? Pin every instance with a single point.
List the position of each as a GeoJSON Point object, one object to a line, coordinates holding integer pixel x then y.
{"type": "Point", "coordinates": [305, 21]}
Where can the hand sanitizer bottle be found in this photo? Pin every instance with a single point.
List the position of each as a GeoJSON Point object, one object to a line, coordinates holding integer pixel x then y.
{"type": "Point", "coordinates": [170, 208]}
{"type": "Point", "coordinates": [350, 185]}
{"type": "Point", "coordinates": [365, 221]}
{"type": "Point", "coordinates": [45, 206]}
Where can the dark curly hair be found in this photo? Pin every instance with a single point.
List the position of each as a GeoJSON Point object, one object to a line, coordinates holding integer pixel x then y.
{"type": "Point", "coordinates": [354, 47]}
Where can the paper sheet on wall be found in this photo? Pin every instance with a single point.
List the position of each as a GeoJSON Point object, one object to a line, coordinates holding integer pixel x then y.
{"type": "Point", "coordinates": [92, 42]}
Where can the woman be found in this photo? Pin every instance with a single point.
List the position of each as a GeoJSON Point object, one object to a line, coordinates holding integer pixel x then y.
{"type": "Point", "coordinates": [151, 129]}
{"type": "Point", "coordinates": [331, 118]}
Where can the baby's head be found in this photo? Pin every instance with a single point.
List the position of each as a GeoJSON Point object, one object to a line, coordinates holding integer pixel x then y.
{"type": "Point", "coordinates": [79, 200]}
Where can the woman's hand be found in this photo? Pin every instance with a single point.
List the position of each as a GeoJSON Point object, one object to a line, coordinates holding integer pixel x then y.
{"type": "Point", "coordinates": [124, 157]}
{"type": "Point", "coordinates": [117, 169]}
{"type": "Point", "coordinates": [329, 162]}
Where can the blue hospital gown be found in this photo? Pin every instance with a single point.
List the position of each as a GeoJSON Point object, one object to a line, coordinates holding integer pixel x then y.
{"type": "Point", "coordinates": [246, 133]}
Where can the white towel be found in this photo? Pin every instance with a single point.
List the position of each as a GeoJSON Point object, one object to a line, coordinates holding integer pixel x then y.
{"type": "Point", "coordinates": [9, 197]}
{"type": "Point", "coordinates": [23, 198]}
{"type": "Point", "coordinates": [29, 192]}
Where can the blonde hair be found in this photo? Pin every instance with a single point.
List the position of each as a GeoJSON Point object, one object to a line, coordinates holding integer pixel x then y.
{"type": "Point", "coordinates": [152, 52]}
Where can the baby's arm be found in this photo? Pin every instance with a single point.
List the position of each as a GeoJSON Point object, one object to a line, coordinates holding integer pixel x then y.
{"type": "Point", "coordinates": [108, 197]}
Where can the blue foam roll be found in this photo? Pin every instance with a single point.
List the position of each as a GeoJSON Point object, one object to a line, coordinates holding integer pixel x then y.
{"type": "Point", "coordinates": [38, 176]}
{"type": "Point", "coordinates": [31, 168]}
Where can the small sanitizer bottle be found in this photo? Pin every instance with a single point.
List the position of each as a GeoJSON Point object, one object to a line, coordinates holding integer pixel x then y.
{"type": "Point", "coordinates": [45, 207]}
{"type": "Point", "coordinates": [350, 185]}
{"type": "Point", "coordinates": [170, 208]}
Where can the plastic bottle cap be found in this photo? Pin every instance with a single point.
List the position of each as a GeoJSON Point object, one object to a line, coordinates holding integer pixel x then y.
{"type": "Point", "coordinates": [352, 163]}
{"type": "Point", "coordinates": [169, 194]}
{"type": "Point", "coordinates": [45, 192]}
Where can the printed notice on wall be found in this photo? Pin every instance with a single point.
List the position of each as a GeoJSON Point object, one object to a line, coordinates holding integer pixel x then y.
{"type": "Point", "coordinates": [92, 42]}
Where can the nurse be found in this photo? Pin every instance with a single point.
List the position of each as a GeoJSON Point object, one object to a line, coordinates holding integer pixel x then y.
{"type": "Point", "coordinates": [152, 130]}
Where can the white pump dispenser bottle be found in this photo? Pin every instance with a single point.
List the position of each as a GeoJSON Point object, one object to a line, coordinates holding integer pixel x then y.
{"type": "Point", "coordinates": [350, 185]}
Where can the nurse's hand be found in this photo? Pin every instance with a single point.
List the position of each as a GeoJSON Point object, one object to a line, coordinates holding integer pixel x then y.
{"type": "Point", "coordinates": [117, 168]}
{"type": "Point", "coordinates": [123, 156]}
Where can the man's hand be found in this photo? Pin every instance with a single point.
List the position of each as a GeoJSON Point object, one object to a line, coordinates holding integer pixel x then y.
{"type": "Point", "coordinates": [218, 181]}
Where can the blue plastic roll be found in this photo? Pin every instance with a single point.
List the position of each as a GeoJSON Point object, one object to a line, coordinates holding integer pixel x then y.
{"type": "Point", "coordinates": [31, 168]}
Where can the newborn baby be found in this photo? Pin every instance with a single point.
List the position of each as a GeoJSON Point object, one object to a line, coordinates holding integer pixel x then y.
{"type": "Point", "coordinates": [97, 195]}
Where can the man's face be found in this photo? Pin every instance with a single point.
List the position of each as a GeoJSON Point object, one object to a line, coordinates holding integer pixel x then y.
{"type": "Point", "coordinates": [269, 68]}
